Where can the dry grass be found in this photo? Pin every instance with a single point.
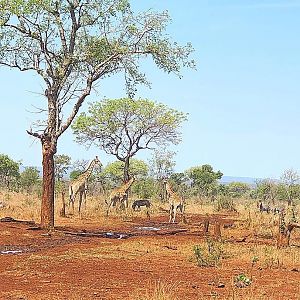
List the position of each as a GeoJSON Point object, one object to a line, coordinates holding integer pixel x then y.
{"type": "Point", "coordinates": [159, 290]}
{"type": "Point", "coordinates": [20, 206]}
{"type": "Point", "coordinates": [257, 254]}
{"type": "Point", "coordinates": [254, 224]}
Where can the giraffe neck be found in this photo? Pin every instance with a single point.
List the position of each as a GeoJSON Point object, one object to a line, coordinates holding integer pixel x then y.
{"type": "Point", "coordinates": [88, 170]}
{"type": "Point", "coordinates": [128, 184]}
{"type": "Point", "coordinates": [169, 189]}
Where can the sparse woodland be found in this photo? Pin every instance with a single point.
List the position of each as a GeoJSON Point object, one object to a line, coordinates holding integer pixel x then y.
{"type": "Point", "coordinates": [233, 230]}
{"type": "Point", "coordinates": [168, 235]}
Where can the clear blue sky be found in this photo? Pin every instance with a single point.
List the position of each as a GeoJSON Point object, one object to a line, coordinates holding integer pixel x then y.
{"type": "Point", "coordinates": [243, 100]}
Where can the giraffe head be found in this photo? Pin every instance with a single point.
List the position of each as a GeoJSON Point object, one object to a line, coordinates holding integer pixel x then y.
{"type": "Point", "coordinates": [97, 161]}
{"type": "Point", "coordinates": [131, 179]}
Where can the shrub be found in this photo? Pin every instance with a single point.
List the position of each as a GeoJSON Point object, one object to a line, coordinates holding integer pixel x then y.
{"type": "Point", "coordinates": [225, 203]}
{"type": "Point", "coordinates": [209, 256]}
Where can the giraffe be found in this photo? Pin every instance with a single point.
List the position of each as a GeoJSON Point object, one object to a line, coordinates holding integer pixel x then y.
{"type": "Point", "coordinates": [79, 185]}
{"type": "Point", "coordinates": [119, 194]}
{"type": "Point", "coordinates": [175, 202]}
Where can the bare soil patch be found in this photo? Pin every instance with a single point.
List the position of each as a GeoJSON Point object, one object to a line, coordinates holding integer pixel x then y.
{"type": "Point", "coordinates": [126, 259]}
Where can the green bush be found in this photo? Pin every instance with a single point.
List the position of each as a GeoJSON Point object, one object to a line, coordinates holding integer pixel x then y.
{"type": "Point", "coordinates": [225, 203]}
{"type": "Point", "coordinates": [210, 255]}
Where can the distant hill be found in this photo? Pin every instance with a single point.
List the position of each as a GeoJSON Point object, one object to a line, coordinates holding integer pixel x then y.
{"type": "Point", "coordinates": [248, 180]}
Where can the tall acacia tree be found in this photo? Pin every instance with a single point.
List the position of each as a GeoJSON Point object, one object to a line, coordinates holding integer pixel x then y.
{"type": "Point", "coordinates": [122, 127]}
{"type": "Point", "coordinates": [71, 44]}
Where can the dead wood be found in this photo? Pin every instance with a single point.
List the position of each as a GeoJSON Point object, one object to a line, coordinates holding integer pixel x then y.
{"type": "Point", "coordinates": [10, 219]}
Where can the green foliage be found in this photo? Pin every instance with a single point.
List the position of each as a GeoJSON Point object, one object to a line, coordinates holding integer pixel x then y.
{"type": "Point", "coordinates": [242, 281]}
{"type": "Point", "coordinates": [225, 203]}
{"type": "Point", "coordinates": [266, 190]}
{"type": "Point", "coordinates": [290, 179]}
{"type": "Point", "coordinates": [204, 179]}
{"type": "Point", "coordinates": [75, 174]}
{"type": "Point", "coordinates": [287, 190]}
{"type": "Point", "coordinates": [237, 189]}
{"type": "Point", "coordinates": [122, 127]}
{"type": "Point", "coordinates": [223, 190]}
{"type": "Point", "coordinates": [71, 45]}
{"type": "Point", "coordinates": [162, 163]}
{"type": "Point", "coordinates": [113, 172]}
{"type": "Point", "coordinates": [61, 164]}
{"type": "Point", "coordinates": [146, 188]}
{"type": "Point", "coordinates": [29, 179]}
{"type": "Point", "coordinates": [97, 38]}
{"type": "Point", "coordinates": [19, 7]}
{"type": "Point", "coordinates": [180, 184]}
{"type": "Point", "coordinates": [9, 171]}
{"type": "Point", "coordinates": [210, 255]}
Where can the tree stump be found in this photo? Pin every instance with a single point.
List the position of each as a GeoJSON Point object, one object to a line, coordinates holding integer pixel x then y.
{"type": "Point", "coordinates": [206, 226]}
{"type": "Point", "coordinates": [217, 230]}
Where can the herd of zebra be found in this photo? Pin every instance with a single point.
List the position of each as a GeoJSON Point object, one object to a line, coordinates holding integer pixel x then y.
{"type": "Point", "coordinates": [269, 209]}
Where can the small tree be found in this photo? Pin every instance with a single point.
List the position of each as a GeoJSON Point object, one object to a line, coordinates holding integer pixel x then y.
{"type": "Point", "coordinates": [62, 164]}
{"type": "Point", "coordinates": [161, 167]}
{"type": "Point", "coordinates": [71, 45]}
{"type": "Point", "coordinates": [114, 172]}
{"type": "Point", "coordinates": [9, 171]}
{"type": "Point", "coordinates": [162, 164]}
{"type": "Point", "coordinates": [267, 190]}
{"type": "Point", "coordinates": [123, 127]}
{"type": "Point", "coordinates": [29, 178]}
{"type": "Point", "coordinates": [180, 184]}
{"type": "Point", "coordinates": [145, 188]}
{"type": "Point", "coordinates": [238, 189]}
{"type": "Point", "coordinates": [204, 180]}
{"type": "Point", "coordinates": [290, 178]}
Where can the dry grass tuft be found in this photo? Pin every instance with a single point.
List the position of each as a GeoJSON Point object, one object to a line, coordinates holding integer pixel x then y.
{"type": "Point", "coordinates": [158, 290]}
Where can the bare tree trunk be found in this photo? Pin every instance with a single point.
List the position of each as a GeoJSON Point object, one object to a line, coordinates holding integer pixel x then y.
{"type": "Point", "coordinates": [126, 169]}
{"type": "Point", "coordinates": [47, 207]}
{"type": "Point", "coordinates": [125, 179]}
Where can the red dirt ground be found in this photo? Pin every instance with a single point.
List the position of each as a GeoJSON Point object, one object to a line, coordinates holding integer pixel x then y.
{"type": "Point", "coordinates": [63, 265]}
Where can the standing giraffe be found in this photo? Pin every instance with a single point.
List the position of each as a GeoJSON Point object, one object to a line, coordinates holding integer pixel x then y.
{"type": "Point", "coordinates": [79, 185]}
{"type": "Point", "coordinates": [175, 202]}
{"type": "Point", "coordinates": [119, 194]}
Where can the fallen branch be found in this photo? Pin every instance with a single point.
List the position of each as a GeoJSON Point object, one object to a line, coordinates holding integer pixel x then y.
{"type": "Point", "coordinates": [110, 235]}
{"type": "Point", "coordinates": [10, 219]}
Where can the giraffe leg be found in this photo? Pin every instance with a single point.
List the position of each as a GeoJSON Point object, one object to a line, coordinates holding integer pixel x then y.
{"type": "Point", "coordinates": [125, 200]}
{"type": "Point", "coordinates": [109, 205]}
{"type": "Point", "coordinates": [80, 202]}
{"type": "Point", "coordinates": [71, 198]}
{"type": "Point", "coordinates": [171, 213]}
{"type": "Point", "coordinates": [174, 213]}
{"type": "Point", "coordinates": [72, 203]}
{"type": "Point", "coordinates": [183, 214]}
{"type": "Point", "coordinates": [84, 194]}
